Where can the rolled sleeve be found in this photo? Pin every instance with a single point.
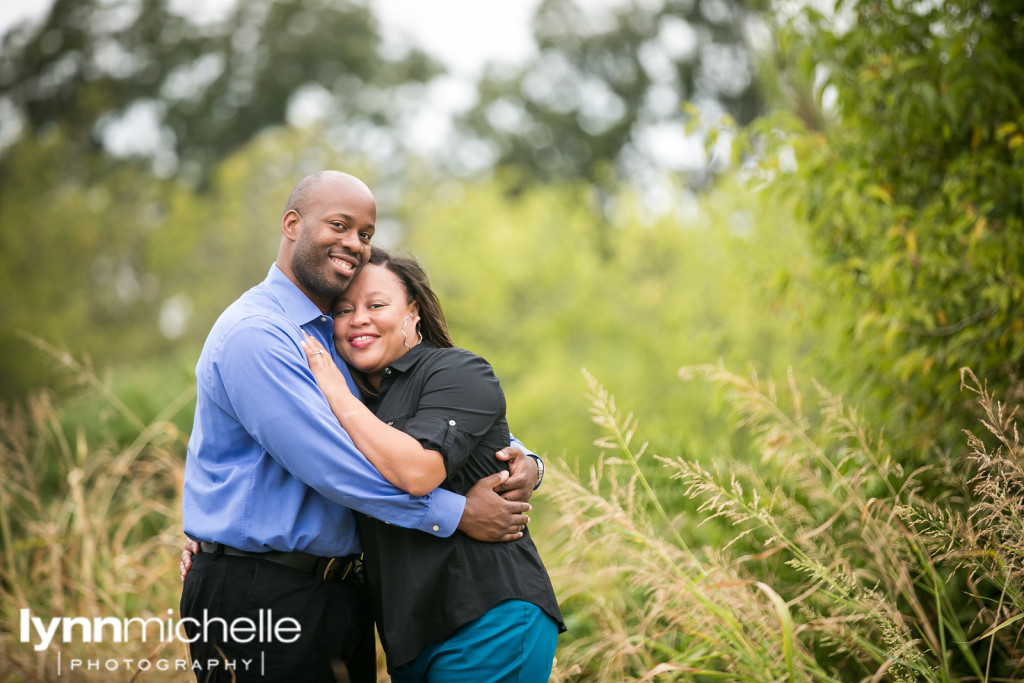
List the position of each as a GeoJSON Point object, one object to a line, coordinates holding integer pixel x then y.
{"type": "Point", "coordinates": [445, 436]}
{"type": "Point", "coordinates": [460, 402]}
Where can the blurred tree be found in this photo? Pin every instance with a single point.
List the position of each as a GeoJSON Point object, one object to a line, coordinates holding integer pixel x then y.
{"type": "Point", "coordinates": [206, 88]}
{"type": "Point", "coordinates": [524, 282]}
{"type": "Point", "coordinates": [70, 256]}
{"type": "Point", "coordinates": [608, 84]}
{"type": "Point", "coordinates": [915, 194]}
{"type": "Point", "coordinates": [122, 267]}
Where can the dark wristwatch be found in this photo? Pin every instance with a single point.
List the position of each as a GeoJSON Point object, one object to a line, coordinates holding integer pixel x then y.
{"type": "Point", "coordinates": [540, 472]}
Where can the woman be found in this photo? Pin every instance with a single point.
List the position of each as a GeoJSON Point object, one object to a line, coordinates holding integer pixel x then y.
{"type": "Point", "coordinates": [447, 609]}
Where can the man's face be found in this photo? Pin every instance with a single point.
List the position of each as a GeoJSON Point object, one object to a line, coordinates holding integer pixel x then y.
{"type": "Point", "coordinates": [333, 238]}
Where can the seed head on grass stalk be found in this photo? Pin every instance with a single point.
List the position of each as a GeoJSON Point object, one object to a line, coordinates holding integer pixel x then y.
{"type": "Point", "coordinates": [690, 614]}
{"type": "Point", "coordinates": [983, 537]}
{"type": "Point", "coordinates": [657, 613]}
{"type": "Point", "coordinates": [885, 556]}
{"type": "Point", "coordinates": [870, 578]}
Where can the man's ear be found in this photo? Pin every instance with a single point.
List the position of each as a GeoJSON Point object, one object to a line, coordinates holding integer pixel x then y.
{"type": "Point", "coordinates": [290, 224]}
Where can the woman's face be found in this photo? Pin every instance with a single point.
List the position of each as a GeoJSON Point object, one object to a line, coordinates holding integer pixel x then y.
{"type": "Point", "coordinates": [368, 321]}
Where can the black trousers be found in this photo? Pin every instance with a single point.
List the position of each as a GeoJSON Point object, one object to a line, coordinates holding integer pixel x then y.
{"type": "Point", "coordinates": [242, 608]}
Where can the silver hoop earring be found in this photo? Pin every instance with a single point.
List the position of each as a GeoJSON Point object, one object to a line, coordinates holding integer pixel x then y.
{"type": "Point", "coordinates": [405, 339]}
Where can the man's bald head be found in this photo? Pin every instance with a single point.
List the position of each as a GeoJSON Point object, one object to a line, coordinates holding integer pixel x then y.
{"type": "Point", "coordinates": [304, 190]}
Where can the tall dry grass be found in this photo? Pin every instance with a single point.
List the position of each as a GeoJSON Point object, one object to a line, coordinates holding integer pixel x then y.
{"type": "Point", "coordinates": [88, 528]}
{"type": "Point", "coordinates": [834, 564]}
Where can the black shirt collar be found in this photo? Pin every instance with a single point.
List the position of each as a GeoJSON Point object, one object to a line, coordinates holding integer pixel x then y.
{"type": "Point", "coordinates": [411, 357]}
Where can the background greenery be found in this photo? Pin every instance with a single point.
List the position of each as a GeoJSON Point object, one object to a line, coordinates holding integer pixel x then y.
{"type": "Point", "coordinates": [854, 229]}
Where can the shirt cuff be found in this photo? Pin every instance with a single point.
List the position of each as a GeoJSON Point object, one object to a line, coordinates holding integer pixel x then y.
{"type": "Point", "coordinates": [444, 513]}
{"type": "Point", "coordinates": [514, 441]}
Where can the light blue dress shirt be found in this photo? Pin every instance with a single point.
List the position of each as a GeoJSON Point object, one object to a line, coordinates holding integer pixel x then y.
{"type": "Point", "coordinates": [269, 467]}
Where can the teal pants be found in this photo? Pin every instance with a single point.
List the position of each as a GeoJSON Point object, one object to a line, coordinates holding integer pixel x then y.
{"type": "Point", "coordinates": [512, 643]}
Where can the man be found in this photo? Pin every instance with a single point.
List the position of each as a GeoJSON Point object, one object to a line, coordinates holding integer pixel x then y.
{"type": "Point", "coordinates": [272, 480]}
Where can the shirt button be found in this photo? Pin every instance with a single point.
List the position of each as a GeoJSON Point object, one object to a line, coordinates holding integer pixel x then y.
{"type": "Point", "coordinates": [451, 422]}
{"type": "Point", "coordinates": [323, 318]}
{"type": "Point", "coordinates": [387, 371]}
{"type": "Point", "coordinates": [436, 528]}
{"type": "Point", "coordinates": [391, 422]}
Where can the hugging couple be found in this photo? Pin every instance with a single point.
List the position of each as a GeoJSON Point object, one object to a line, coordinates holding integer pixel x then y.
{"type": "Point", "coordinates": [348, 464]}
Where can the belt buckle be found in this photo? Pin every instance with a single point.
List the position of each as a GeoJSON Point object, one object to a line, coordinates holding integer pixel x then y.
{"type": "Point", "coordinates": [335, 572]}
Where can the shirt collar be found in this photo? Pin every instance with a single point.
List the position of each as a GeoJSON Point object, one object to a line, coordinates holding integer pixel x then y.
{"type": "Point", "coordinates": [411, 357]}
{"type": "Point", "coordinates": [297, 306]}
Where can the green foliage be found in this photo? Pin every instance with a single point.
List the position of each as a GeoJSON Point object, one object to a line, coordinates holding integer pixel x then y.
{"type": "Point", "coordinates": [913, 195]}
{"type": "Point", "coordinates": [525, 283]}
{"type": "Point", "coordinates": [72, 230]}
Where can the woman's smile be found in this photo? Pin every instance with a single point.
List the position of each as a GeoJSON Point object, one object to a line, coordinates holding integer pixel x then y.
{"type": "Point", "coordinates": [361, 341]}
{"type": "Point", "coordinates": [374, 322]}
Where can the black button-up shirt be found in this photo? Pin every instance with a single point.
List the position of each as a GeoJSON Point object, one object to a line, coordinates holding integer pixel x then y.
{"type": "Point", "coordinates": [423, 587]}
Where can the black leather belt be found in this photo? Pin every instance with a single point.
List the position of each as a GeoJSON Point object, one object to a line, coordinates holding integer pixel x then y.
{"type": "Point", "coordinates": [328, 568]}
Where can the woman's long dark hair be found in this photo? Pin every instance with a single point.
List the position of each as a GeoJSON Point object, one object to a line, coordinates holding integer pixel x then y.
{"type": "Point", "coordinates": [432, 324]}
{"type": "Point", "coordinates": [410, 273]}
